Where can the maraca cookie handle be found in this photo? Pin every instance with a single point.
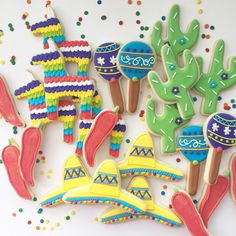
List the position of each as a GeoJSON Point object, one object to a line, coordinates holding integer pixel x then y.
{"type": "Point", "coordinates": [212, 166]}
{"type": "Point", "coordinates": [133, 95]}
{"type": "Point", "coordinates": [193, 177]}
{"type": "Point", "coordinates": [116, 95]}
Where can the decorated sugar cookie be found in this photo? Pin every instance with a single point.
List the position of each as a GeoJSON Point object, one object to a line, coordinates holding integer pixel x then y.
{"type": "Point", "coordinates": [164, 125]}
{"type": "Point", "coordinates": [7, 106]}
{"type": "Point", "coordinates": [10, 158]}
{"type": "Point", "coordinates": [176, 39]}
{"type": "Point", "coordinates": [105, 64]}
{"type": "Point", "coordinates": [101, 128]}
{"type": "Point", "coordinates": [193, 146]}
{"type": "Point", "coordinates": [141, 160]}
{"type": "Point", "coordinates": [58, 83]}
{"type": "Point", "coordinates": [220, 131]}
{"type": "Point", "coordinates": [179, 81]}
{"type": "Point", "coordinates": [106, 188]}
{"type": "Point", "coordinates": [141, 189]}
{"type": "Point", "coordinates": [212, 196]}
{"type": "Point", "coordinates": [35, 94]}
{"type": "Point", "coordinates": [216, 80]}
{"type": "Point", "coordinates": [184, 207]}
{"type": "Point", "coordinates": [74, 176]}
{"type": "Point", "coordinates": [75, 51]}
{"type": "Point", "coordinates": [135, 60]}
{"type": "Point", "coordinates": [233, 176]}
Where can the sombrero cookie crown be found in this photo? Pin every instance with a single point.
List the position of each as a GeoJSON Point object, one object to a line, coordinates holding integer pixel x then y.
{"type": "Point", "coordinates": [141, 189]}
{"type": "Point", "coordinates": [141, 160]}
{"type": "Point", "coordinates": [74, 175]}
{"type": "Point", "coordinates": [105, 188]}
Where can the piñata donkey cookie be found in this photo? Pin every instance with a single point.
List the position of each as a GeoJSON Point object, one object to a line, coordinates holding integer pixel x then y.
{"type": "Point", "coordinates": [58, 83]}
{"type": "Point", "coordinates": [216, 80]}
{"type": "Point", "coordinates": [35, 94]}
{"type": "Point", "coordinates": [176, 39]}
{"type": "Point", "coordinates": [180, 81]}
{"type": "Point", "coordinates": [164, 125]}
{"type": "Point", "coordinates": [135, 59]}
{"type": "Point", "coordinates": [140, 188]}
{"type": "Point", "coordinates": [141, 160]}
{"type": "Point", "coordinates": [74, 176]}
{"type": "Point", "coordinates": [105, 188]}
{"type": "Point", "coordinates": [193, 146]}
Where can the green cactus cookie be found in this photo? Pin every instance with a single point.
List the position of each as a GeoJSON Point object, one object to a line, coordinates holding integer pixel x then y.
{"type": "Point", "coordinates": [176, 39]}
{"type": "Point", "coordinates": [180, 80]}
{"type": "Point", "coordinates": [164, 125]}
{"type": "Point", "coordinates": [217, 78]}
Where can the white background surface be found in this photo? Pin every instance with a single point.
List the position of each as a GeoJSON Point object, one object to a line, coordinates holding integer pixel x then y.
{"type": "Point", "coordinates": [23, 45]}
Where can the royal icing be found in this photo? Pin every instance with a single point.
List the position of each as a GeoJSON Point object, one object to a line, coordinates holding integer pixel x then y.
{"type": "Point", "coordinates": [176, 39]}
{"type": "Point", "coordinates": [216, 80]}
{"type": "Point", "coordinates": [74, 176]}
{"type": "Point", "coordinates": [30, 142]}
{"type": "Point", "coordinates": [78, 52]}
{"type": "Point", "coordinates": [141, 160]}
{"type": "Point", "coordinates": [135, 60]}
{"type": "Point", "coordinates": [212, 196]}
{"type": "Point", "coordinates": [192, 144]}
{"type": "Point", "coordinates": [35, 94]}
{"type": "Point", "coordinates": [58, 83]}
{"type": "Point", "coordinates": [105, 64]}
{"type": "Point", "coordinates": [101, 128]}
{"type": "Point", "coordinates": [10, 158]}
{"type": "Point", "coordinates": [7, 107]}
{"type": "Point", "coordinates": [180, 80]}
{"type": "Point", "coordinates": [141, 189]}
{"type": "Point", "coordinates": [105, 188]}
{"type": "Point", "coordinates": [183, 206]}
{"type": "Point", "coordinates": [233, 176]}
{"type": "Point", "coordinates": [164, 124]}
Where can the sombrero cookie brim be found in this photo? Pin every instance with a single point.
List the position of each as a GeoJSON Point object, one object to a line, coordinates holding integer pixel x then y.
{"type": "Point", "coordinates": [158, 214]}
{"type": "Point", "coordinates": [53, 199]}
{"type": "Point", "coordinates": [125, 200]}
{"type": "Point", "coordinates": [159, 171]}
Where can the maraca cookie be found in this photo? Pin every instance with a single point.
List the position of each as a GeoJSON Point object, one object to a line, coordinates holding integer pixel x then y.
{"type": "Point", "coordinates": [135, 60]}
{"type": "Point", "coordinates": [106, 66]}
{"type": "Point", "coordinates": [193, 146]}
{"type": "Point", "coordinates": [220, 130]}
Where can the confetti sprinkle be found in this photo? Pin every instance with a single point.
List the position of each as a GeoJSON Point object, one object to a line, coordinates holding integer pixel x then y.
{"type": "Point", "coordinates": [127, 140]}
{"type": "Point", "coordinates": [11, 28]}
{"type": "Point", "coordinates": [178, 160]}
{"type": "Point", "coordinates": [163, 18]}
{"type": "Point", "coordinates": [163, 193]}
{"type": "Point", "coordinates": [103, 17]}
{"type": "Point", "coordinates": [200, 11]}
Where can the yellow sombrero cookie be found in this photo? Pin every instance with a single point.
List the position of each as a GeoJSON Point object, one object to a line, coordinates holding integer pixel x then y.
{"type": "Point", "coordinates": [105, 188]}
{"type": "Point", "coordinates": [140, 188]}
{"type": "Point", "coordinates": [74, 175]}
{"type": "Point", "coordinates": [141, 160]}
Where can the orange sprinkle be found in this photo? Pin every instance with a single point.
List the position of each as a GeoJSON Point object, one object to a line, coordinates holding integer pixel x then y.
{"type": "Point", "coordinates": [37, 228]}
{"type": "Point", "coordinates": [206, 26]}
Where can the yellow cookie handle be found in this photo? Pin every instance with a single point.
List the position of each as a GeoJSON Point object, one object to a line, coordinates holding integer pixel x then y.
{"type": "Point", "coordinates": [133, 95]}
{"type": "Point", "coordinates": [193, 177]}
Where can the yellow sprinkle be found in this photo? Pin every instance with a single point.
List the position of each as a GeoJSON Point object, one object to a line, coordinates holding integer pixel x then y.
{"type": "Point", "coordinates": [49, 176]}
{"type": "Point", "coordinates": [51, 228]}
{"type": "Point", "coordinates": [73, 213]}
{"type": "Point", "coordinates": [2, 62]}
{"type": "Point", "coordinates": [57, 224]}
{"type": "Point", "coordinates": [200, 11]}
{"type": "Point", "coordinates": [199, 1]}
{"type": "Point", "coordinates": [50, 171]}
{"type": "Point", "coordinates": [43, 228]}
{"type": "Point", "coordinates": [41, 172]}
{"type": "Point", "coordinates": [149, 96]}
{"type": "Point", "coordinates": [46, 221]}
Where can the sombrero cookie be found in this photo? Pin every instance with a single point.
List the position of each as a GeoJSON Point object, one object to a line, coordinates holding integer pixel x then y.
{"type": "Point", "coordinates": [105, 188]}
{"type": "Point", "coordinates": [74, 175]}
{"type": "Point", "coordinates": [140, 188]}
{"type": "Point", "coordinates": [141, 160]}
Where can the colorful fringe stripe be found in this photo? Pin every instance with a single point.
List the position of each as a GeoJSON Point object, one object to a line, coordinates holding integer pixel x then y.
{"type": "Point", "coordinates": [147, 215]}
{"type": "Point", "coordinates": [103, 200]}
{"type": "Point", "coordinates": [53, 201]}
{"type": "Point", "coordinates": [34, 92]}
{"type": "Point", "coordinates": [150, 172]}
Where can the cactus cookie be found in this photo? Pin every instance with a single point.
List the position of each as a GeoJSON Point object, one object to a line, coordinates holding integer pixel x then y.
{"type": "Point", "coordinates": [164, 125]}
{"type": "Point", "coordinates": [180, 80]}
{"type": "Point", "coordinates": [176, 39]}
{"type": "Point", "coordinates": [217, 78]}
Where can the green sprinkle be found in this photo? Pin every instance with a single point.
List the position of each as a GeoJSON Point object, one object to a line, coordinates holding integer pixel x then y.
{"type": "Point", "coordinates": [78, 23]}
{"type": "Point", "coordinates": [127, 140]}
{"type": "Point", "coordinates": [137, 13]}
{"type": "Point", "coordinates": [82, 36]}
{"type": "Point", "coordinates": [232, 100]}
{"type": "Point", "coordinates": [103, 17]}
{"type": "Point", "coordinates": [0, 161]}
{"type": "Point", "coordinates": [67, 217]}
{"type": "Point", "coordinates": [146, 28]}
{"type": "Point", "coordinates": [141, 36]}
{"type": "Point", "coordinates": [35, 199]}
{"type": "Point", "coordinates": [86, 13]}
{"type": "Point", "coordinates": [20, 210]}
{"type": "Point", "coordinates": [142, 28]}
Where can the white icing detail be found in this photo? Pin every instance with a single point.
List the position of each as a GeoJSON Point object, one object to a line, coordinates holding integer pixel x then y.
{"type": "Point", "coordinates": [214, 92]}
{"type": "Point", "coordinates": [158, 43]}
{"type": "Point", "coordinates": [202, 89]}
{"type": "Point", "coordinates": [209, 80]}
{"type": "Point", "coordinates": [192, 143]}
{"type": "Point", "coordinates": [178, 96]}
{"type": "Point", "coordinates": [171, 139]}
{"type": "Point", "coordinates": [175, 15]}
{"type": "Point", "coordinates": [232, 76]}
{"type": "Point", "coordinates": [165, 91]}
{"type": "Point", "coordinates": [149, 107]}
{"type": "Point", "coordinates": [216, 60]}
{"type": "Point", "coordinates": [168, 51]}
{"type": "Point", "coordinates": [38, 111]}
{"type": "Point", "coordinates": [66, 108]}
{"type": "Point", "coordinates": [155, 81]}
{"type": "Point", "coordinates": [156, 28]}
{"type": "Point", "coordinates": [190, 61]}
{"type": "Point", "coordinates": [222, 83]}
{"type": "Point", "coordinates": [189, 76]}
{"type": "Point", "coordinates": [195, 27]}
{"type": "Point", "coordinates": [186, 37]}
{"type": "Point", "coordinates": [183, 86]}
{"type": "Point", "coordinates": [101, 61]}
{"type": "Point", "coordinates": [174, 42]}
{"type": "Point", "coordinates": [170, 121]}
{"type": "Point", "coordinates": [227, 130]}
{"type": "Point", "coordinates": [171, 29]}
{"type": "Point", "coordinates": [215, 127]}
{"type": "Point", "coordinates": [76, 48]}
{"type": "Point", "coordinates": [210, 103]}
{"type": "Point", "coordinates": [186, 107]}
{"type": "Point", "coordinates": [154, 120]}
{"type": "Point", "coordinates": [167, 147]}
{"type": "Point", "coordinates": [219, 72]}
{"type": "Point", "coordinates": [60, 84]}
{"type": "Point", "coordinates": [174, 75]}
{"type": "Point", "coordinates": [221, 47]}
{"type": "Point", "coordinates": [162, 131]}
